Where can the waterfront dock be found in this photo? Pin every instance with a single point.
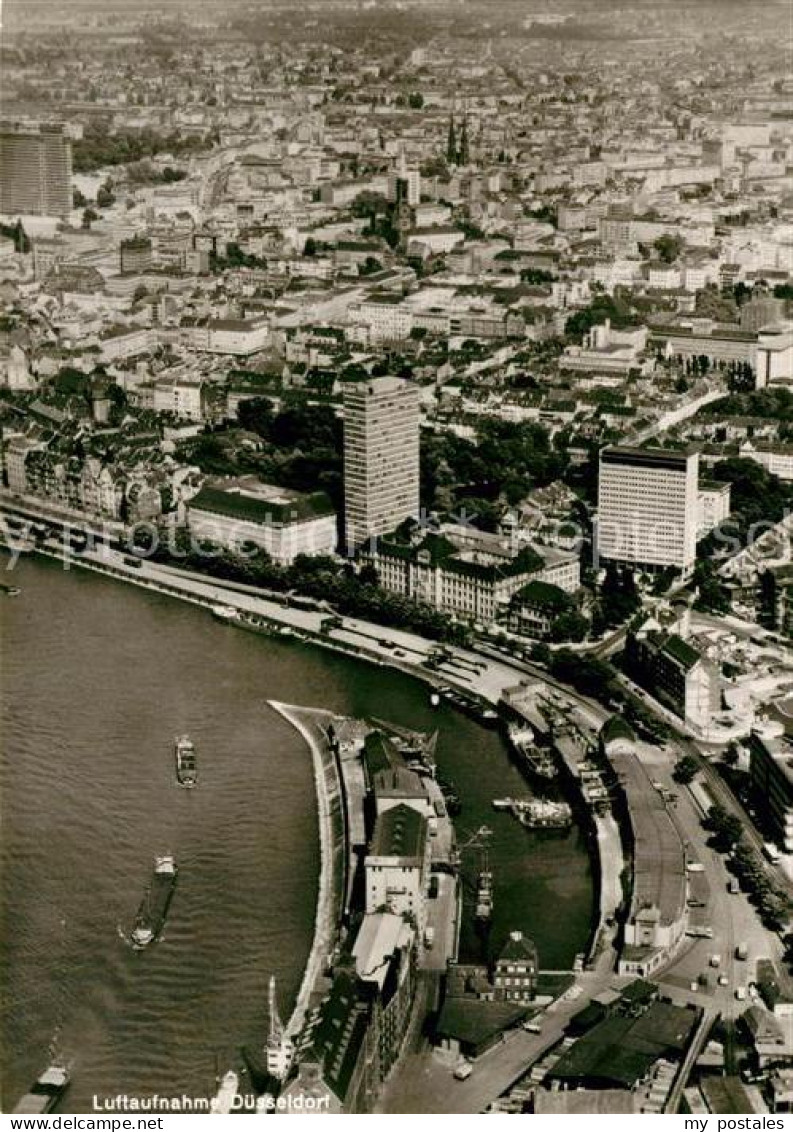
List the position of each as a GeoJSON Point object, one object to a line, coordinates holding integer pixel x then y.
{"type": "Point", "coordinates": [311, 723]}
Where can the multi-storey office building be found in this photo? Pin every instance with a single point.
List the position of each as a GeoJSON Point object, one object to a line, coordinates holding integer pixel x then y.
{"type": "Point", "coordinates": [35, 169]}
{"type": "Point", "coordinates": [647, 507]}
{"type": "Point", "coordinates": [381, 456]}
{"type": "Point", "coordinates": [771, 769]}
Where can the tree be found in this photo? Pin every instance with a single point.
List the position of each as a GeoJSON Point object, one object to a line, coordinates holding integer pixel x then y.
{"type": "Point", "coordinates": [540, 653]}
{"type": "Point", "coordinates": [105, 197]}
{"type": "Point", "coordinates": [569, 626]}
{"type": "Point", "coordinates": [712, 595]}
{"type": "Point", "coordinates": [668, 248]}
{"type": "Point", "coordinates": [726, 827]}
{"type": "Point", "coordinates": [619, 597]}
{"type": "Point", "coordinates": [768, 599]}
{"type": "Point", "coordinates": [89, 216]}
{"type": "Point", "coordinates": [685, 770]}
{"type": "Point", "coordinates": [415, 100]}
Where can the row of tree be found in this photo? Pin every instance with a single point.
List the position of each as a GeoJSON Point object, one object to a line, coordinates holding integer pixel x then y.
{"type": "Point", "coordinates": [319, 577]}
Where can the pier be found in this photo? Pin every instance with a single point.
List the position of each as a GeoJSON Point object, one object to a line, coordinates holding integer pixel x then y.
{"type": "Point", "coordinates": [311, 723]}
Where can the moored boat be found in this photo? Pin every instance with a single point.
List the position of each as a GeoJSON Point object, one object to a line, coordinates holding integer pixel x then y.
{"type": "Point", "coordinates": [226, 613]}
{"type": "Point", "coordinates": [484, 895]}
{"type": "Point", "coordinates": [46, 1092]}
{"type": "Point", "coordinates": [224, 1098]}
{"type": "Point", "coordinates": [542, 814]}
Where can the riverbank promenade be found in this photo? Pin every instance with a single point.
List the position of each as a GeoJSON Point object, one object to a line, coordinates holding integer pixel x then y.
{"type": "Point", "coordinates": [312, 724]}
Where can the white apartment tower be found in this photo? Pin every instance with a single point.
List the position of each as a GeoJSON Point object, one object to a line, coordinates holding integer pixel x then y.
{"type": "Point", "coordinates": [381, 456]}
{"type": "Point", "coordinates": [647, 507]}
{"type": "Point", "coordinates": [35, 169]}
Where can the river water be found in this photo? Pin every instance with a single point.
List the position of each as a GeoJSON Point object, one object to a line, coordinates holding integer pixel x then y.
{"type": "Point", "coordinates": [97, 679]}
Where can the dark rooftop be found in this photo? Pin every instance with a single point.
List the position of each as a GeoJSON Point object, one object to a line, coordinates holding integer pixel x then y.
{"type": "Point", "coordinates": [400, 832]}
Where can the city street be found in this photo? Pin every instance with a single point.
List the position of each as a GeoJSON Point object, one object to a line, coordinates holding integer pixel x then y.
{"type": "Point", "coordinates": [730, 915]}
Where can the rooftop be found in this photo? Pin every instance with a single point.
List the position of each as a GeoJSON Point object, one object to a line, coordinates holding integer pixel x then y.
{"type": "Point", "coordinates": [261, 503]}
{"type": "Point", "coordinates": [400, 832]}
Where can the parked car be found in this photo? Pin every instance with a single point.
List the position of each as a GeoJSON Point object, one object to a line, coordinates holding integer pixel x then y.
{"type": "Point", "coordinates": [463, 1070]}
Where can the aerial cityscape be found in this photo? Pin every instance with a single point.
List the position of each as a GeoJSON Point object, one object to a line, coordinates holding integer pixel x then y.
{"type": "Point", "coordinates": [396, 424]}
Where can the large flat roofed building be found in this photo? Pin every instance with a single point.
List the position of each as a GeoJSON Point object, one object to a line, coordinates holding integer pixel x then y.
{"type": "Point", "coordinates": [771, 769]}
{"type": "Point", "coordinates": [284, 523]}
{"type": "Point", "coordinates": [381, 456]}
{"type": "Point", "coordinates": [647, 507]}
{"type": "Point", "coordinates": [35, 169]}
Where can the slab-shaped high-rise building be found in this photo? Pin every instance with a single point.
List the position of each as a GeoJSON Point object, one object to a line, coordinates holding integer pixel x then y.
{"type": "Point", "coordinates": [381, 456]}
{"type": "Point", "coordinates": [35, 169]}
{"type": "Point", "coordinates": [647, 507]}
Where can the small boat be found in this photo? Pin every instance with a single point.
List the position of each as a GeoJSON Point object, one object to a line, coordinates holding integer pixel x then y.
{"type": "Point", "coordinates": [186, 766]}
{"type": "Point", "coordinates": [153, 910]}
{"type": "Point", "coordinates": [484, 895]}
{"type": "Point", "coordinates": [452, 799]}
{"type": "Point", "coordinates": [223, 1101]}
{"type": "Point", "coordinates": [225, 613]}
{"type": "Point", "coordinates": [541, 814]}
{"type": "Point", "coordinates": [434, 699]}
{"type": "Point", "coordinates": [46, 1092]}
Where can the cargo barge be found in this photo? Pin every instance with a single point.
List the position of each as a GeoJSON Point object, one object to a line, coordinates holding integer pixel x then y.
{"type": "Point", "coordinates": [153, 910]}
{"type": "Point", "coordinates": [46, 1092]}
{"type": "Point", "coordinates": [484, 894]}
{"type": "Point", "coordinates": [529, 757]}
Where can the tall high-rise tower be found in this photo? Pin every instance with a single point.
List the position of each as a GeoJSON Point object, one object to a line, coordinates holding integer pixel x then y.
{"type": "Point", "coordinates": [647, 507]}
{"type": "Point", "coordinates": [381, 456]}
{"type": "Point", "coordinates": [35, 169]}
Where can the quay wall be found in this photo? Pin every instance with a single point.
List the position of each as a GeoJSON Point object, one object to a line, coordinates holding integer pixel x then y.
{"type": "Point", "coordinates": [333, 852]}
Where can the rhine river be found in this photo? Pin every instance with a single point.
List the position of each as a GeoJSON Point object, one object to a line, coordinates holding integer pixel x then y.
{"type": "Point", "coordinates": [97, 680]}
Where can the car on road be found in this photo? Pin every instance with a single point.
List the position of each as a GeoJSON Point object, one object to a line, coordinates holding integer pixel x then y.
{"type": "Point", "coordinates": [463, 1070]}
{"type": "Point", "coordinates": [740, 993]}
{"type": "Point", "coordinates": [698, 932]}
{"type": "Point", "coordinates": [532, 1027]}
{"type": "Point", "coordinates": [742, 951]}
{"type": "Point", "coordinates": [715, 960]}
{"type": "Point", "coordinates": [723, 981]}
